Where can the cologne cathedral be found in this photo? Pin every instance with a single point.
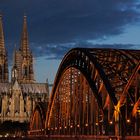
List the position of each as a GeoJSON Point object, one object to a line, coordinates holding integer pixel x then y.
{"type": "Point", "coordinates": [19, 95]}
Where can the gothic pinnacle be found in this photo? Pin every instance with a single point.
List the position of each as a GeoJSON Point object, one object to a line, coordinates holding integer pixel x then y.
{"type": "Point", "coordinates": [2, 48]}
{"type": "Point", "coordinates": [24, 39]}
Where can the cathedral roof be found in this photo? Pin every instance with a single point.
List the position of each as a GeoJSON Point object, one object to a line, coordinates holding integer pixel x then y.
{"type": "Point", "coordinates": [34, 88]}
{"type": "Point", "coordinates": [16, 86]}
{"type": "Point", "coordinates": [4, 87]}
{"type": "Point", "coordinates": [26, 88]}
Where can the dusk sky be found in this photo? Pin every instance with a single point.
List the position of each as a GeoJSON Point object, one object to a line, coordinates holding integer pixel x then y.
{"type": "Point", "coordinates": [56, 26]}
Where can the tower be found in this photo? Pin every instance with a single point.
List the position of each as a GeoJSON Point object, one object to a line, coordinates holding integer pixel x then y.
{"type": "Point", "coordinates": [3, 56]}
{"type": "Point", "coordinates": [23, 59]}
{"type": "Point", "coordinates": [19, 96]}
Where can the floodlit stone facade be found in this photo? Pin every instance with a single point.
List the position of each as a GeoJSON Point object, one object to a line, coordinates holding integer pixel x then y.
{"type": "Point", "coordinates": [19, 96]}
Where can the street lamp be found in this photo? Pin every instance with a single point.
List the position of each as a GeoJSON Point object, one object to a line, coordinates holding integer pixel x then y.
{"type": "Point", "coordinates": [96, 124]}
{"type": "Point", "coordinates": [78, 125]}
{"type": "Point", "coordinates": [138, 109]}
{"type": "Point", "coordinates": [128, 120]}
{"type": "Point", "coordinates": [110, 122]}
{"type": "Point", "coordinates": [86, 125]}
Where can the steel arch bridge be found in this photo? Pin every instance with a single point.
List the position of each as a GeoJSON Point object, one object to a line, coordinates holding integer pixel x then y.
{"type": "Point", "coordinates": [95, 92]}
{"type": "Point", "coordinates": [37, 121]}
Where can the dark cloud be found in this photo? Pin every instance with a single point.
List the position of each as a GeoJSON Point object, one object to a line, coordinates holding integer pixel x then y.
{"type": "Point", "coordinates": [58, 51]}
{"type": "Point", "coordinates": [65, 21]}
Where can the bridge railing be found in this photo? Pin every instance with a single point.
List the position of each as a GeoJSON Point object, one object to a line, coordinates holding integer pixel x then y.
{"type": "Point", "coordinates": [36, 132]}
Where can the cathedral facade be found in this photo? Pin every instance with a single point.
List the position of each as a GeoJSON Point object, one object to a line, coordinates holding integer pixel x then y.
{"type": "Point", "coordinates": [19, 95]}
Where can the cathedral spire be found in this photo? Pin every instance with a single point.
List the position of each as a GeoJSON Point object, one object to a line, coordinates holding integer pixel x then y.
{"type": "Point", "coordinates": [24, 59]}
{"type": "Point", "coordinates": [24, 39]}
{"type": "Point", "coordinates": [3, 56]}
{"type": "Point", "coordinates": [14, 56]}
{"type": "Point", "coordinates": [2, 48]}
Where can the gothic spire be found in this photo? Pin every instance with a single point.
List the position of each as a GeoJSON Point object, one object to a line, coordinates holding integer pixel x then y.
{"type": "Point", "coordinates": [3, 56]}
{"type": "Point", "coordinates": [2, 48]}
{"type": "Point", "coordinates": [14, 56]}
{"type": "Point", "coordinates": [24, 39]}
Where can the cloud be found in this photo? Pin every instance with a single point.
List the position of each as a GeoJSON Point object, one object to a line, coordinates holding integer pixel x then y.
{"type": "Point", "coordinates": [56, 26]}
{"type": "Point", "coordinates": [64, 21]}
{"type": "Point", "coordinates": [86, 20]}
{"type": "Point", "coordinates": [53, 51]}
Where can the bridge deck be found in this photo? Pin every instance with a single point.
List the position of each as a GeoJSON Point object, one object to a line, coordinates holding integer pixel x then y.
{"type": "Point", "coordinates": [62, 137]}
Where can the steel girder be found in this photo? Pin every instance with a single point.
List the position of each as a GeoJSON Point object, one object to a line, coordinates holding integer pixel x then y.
{"type": "Point", "coordinates": [115, 67]}
{"type": "Point", "coordinates": [116, 70]}
{"type": "Point", "coordinates": [38, 116]}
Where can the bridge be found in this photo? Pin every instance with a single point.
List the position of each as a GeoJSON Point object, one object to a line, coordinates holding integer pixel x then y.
{"type": "Point", "coordinates": [96, 92]}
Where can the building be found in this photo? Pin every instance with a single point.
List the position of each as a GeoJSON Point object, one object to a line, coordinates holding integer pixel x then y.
{"type": "Point", "coordinates": [19, 96]}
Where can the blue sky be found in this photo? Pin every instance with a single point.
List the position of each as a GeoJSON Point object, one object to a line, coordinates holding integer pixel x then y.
{"type": "Point", "coordinates": [56, 26]}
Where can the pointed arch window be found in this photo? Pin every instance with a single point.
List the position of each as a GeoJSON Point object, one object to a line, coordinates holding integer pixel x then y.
{"type": "Point", "coordinates": [30, 69]}
{"type": "Point", "coordinates": [25, 71]}
{"type": "Point", "coordinates": [1, 72]}
{"type": "Point", "coordinates": [17, 104]}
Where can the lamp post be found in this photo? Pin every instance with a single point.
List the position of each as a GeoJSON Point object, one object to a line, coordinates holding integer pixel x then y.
{"type": "Point", "coordinates": [96, 125]}
{"type": "Point", "coordinates": [128, 122]}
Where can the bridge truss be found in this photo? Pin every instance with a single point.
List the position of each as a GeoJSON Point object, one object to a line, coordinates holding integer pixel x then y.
{"type": "Point", "coordinates": [96, 92]}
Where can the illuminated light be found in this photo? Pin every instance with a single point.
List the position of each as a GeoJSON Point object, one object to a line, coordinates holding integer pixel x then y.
{"type": "Point", "coordinates": [65, 127]}
{"type": "Point", "coordinates": [86, 124]}
{"type": "Point", "coordinates": [48, 128]}
{"type": "Point", "coordinates": [128, 120]}
{"type": "Point", "coordinates": [78, 125]}
{"type": "Point", "coordinates": [55, 128]}
{"type": "Point", "coordinates": [51, 128]}
{"type": "Point", "coordinates": [6, 135]}
{"type": "Point", "coordinates": [110, 122]}
{"type": "Point", "coordinates": [96, 124]}
{"type": "Point", "coordinates": [71, 126]}
{"type": "Point", "coordinates": [138, 110]}
{"type": "Point", "coordinates": [60, 127]}
{"type": "Point", "coordinates": [117, 111]}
